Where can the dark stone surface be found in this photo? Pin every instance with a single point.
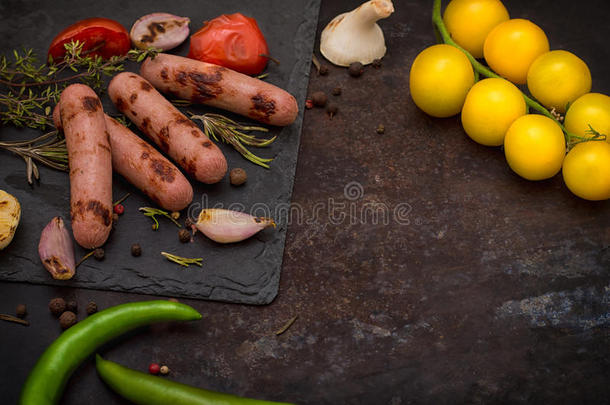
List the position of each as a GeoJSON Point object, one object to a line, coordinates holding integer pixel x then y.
{"type": "Point", "coordinates": [490, 289]}
{"type": "Point", "coordinates": [248, 272]}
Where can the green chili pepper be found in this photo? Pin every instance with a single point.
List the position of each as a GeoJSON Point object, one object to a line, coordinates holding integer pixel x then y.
{"type": "Point", "coordinates": [145, 389]}
{"type": "Point", "coordinates": [47, 380]}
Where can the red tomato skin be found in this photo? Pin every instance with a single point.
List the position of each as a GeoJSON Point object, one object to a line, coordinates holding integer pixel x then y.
{"type": "Point", "coordinates": [233, 41]}
{"type": "Point", "coordinates": [93, 32]}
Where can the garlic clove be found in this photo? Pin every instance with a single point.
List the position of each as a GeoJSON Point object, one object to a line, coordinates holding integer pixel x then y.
{"type": "Point", "coordinates": [10, 214]}
{"type": "Point", "coordinates": [226, 226]}
{"type": "Point", "coordinates": [56, 250]}
{"type": "Point", "coordinates": [159, 30]}
{"type": "Point", "coordinates": [355, 36]}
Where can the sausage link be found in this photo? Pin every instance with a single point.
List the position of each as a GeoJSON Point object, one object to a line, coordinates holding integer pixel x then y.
{"type": "Point", "coordinates": [90, 163]}
{"type": "Point", "coordinates": [171, 130]}
{"type": "Point", "coordinates": [216, 86]}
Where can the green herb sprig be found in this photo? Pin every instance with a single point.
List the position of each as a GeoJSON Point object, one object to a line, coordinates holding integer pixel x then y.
{"type": "Point", "coordinates": [182, 261]}
{"type": "Point", "coordinates": [153, 212]}
{"type": "Point", "coordinates": [218, 126]}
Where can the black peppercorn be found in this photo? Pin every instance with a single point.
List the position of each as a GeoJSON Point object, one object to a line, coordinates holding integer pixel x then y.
{"type": "Point", "coordinates": [323, 70]}
{"type": "Point", "coordinates": [91, 308]}
{"type": "Point", "coordinates": [57, 306]}
{"type": "Point", "coordinates": [356, 69]}
{"type": "Point", "coordinates": [136, 250]}
{"type": "Point", "coordinates": [238, 176]}
{"type": "Point", "coordinates": [67, 319]}
{"type": "Point", "coordinates": [336, 91]}
{"type": "Point", "coordinates": [332, 110]}
{"type": "Point", "coordinates": [184, 235]}
{"type": "Point", "coordinates": [21, 311]}
{"type": "Point", "coordinates": [377, 63]}
{"type": "Point", "coordinates": [98, 254]}
{"type": "Point", "coordinates": [72, 306]}
{"type": "Point", "coordinates": [319, 99]}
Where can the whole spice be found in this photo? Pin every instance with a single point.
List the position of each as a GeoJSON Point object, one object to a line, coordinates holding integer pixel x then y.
{"type": "Point", "coordinates": [238, 176]}
{"type": "Point", "coordinates": [188, 222]}
{"type": "Point", "coordinates": [57, 306]}
{"type": "Point", "coordinates": [380, 129]}
{"type": "Point", "coordinates": [309, 104]}
{"type": "Point", "coordinates": [376, 63]}
{"type": "Point", "coordinates": [226, 226]}
{"type": "Point", "coordinates": [91, 308]}
{"type": "Point", "coordinates": [56, 250]}
{"type": "Point", "coordinates": [332, 110]}
{"type": "Point", "coordinates": [67, 319]}
{"type": "Point", "coordinates": [336, 91]}
{"type": "Point", "coordinates": [152, 212]}
{"type": "Point", "coordinates": [45, 384]}
{"type": "Point", "coordinates": [323, 70]}
{"type": "Point", "coordinates": [136, 250]}
{"type": "Point", "coordinates": [118, 209]}
{"type": "Point", "coordinates": [184, 236]}
{"type": "Point", "coordinates": [164, 370]}
{"type": "Point", "coordinates": [154, 368]}
{"type": "Point", "coordinates": [143, 388]}
{"type": "Point", "coordinates": [99, 254]}
{"type": "Point", "coordinates": [21, 311]}
{"type": "Point", "coordinates": [72, 306]}
{"type": "Point", "coordinates": [175, 215]}
{"type": "Point", "coordinates": [319, 99]}
{"type": "Point", "coordinates": [355, 69]}
{"type": "Point", "coordinates": [115, 219]}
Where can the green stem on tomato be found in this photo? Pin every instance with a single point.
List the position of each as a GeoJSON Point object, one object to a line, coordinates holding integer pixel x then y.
{"type": "Point", "coordinates": [437, 20]}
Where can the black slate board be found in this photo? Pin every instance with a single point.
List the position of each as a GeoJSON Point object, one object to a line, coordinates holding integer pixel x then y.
{"type": "Point", "coordinates": [247, 272]}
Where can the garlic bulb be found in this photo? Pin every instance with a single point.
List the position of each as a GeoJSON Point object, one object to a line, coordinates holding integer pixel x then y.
{"type": "Point", "coordinates": [10, 214]}
{"type": "Point", "coordinates": [226, 226]}
{"type": "Point", "coordinates": [355, 36]}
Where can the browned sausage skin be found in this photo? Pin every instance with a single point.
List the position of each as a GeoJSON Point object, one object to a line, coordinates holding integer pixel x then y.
{"type": "Point", "coordinates": [206, 83]}
{"type": "Point", "coordinates": [148, 170]}
{"type": "Point", "coordinates": [175, 134]}
{"type": "Point", "coordinates": [144, 167]}
{"type": "Point", "coordinates": [90, 163]}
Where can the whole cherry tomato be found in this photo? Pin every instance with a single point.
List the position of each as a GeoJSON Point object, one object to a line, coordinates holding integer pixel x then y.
{"type": "Point", "coordinates": [106, 36]}
{"type": "Point", "coordinates": [233, 41]}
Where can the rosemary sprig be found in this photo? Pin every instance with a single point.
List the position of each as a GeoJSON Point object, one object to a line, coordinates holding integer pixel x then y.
{"type": "Point", "coordinates": [48, 149]}
{"type": "Point", "coordinates": [231, 132]}
{"type": "Point", "coordinates": [182, 261]}
{"type": "Point", "coordinates": [152, 212]}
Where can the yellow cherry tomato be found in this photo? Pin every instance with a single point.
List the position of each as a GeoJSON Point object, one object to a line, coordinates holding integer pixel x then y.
{"type": "Point", "coordinates": [557, 78]}
{"type": "Point", "coordinates": [586, 170]}
{"type": "Point", "coordinates": [512, 46]}
{"type": "Point", "coordinates": [534, 147]}
{"type": "Point", "coordinates": [440, 77]}
{"type": "Point", "coordinates": [490, 108]}
{"type": "Point", "coordinates": [469, 22]}
{"type": "Point", "coordinates": [591, 109]}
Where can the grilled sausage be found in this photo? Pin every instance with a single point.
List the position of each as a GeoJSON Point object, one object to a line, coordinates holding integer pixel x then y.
{"type": "Point", "coordinates": [90, 163]}
{"type": "Point", "coordinates": [216, 86]}
{"type": "Point", "coordinates": [175, 134]}
{"type": "Point", "coordinates": [144, 167]}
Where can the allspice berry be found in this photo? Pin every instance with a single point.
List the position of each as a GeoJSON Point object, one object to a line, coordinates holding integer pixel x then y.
{"type": "Point", "coordinates": [57, 306]}
{"type": "Point", "coordinates": [67, 319]}
{"type": "Point", "coordinates": [21, 311]}
{"type": "Point", "coordinates": [238, 176]}
{"type": "Point", "coordinates": [319, 99]}
{"type": "Point", "coordinates": [91, 308]}
{"type": "Point", "coordinates": [332, 110]}
{"type": "Point", "coordinates": [184, 236]}
{"type": "Point", "coordinates": [136, 250]}
{"type": "Point", "coordinates": [337, 91]}
{"type": "Point", "coordinates": [98, 254]}
{"type": "Point", "coordinates": [356, 69]}
{"type": "Point", "coordinates": [72, 306]}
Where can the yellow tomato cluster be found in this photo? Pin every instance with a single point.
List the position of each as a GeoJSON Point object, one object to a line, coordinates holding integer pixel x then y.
{"type": "Point", "coordinates": [494, 111]}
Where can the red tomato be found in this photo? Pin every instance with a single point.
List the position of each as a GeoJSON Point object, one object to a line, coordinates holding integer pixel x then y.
{"type": "Point", "coordinates": [108, 36]}
{"type": "Point", "coordinates": [233, 41]}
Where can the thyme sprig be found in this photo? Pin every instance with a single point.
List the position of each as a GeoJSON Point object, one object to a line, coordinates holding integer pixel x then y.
{"type": "Point", "coordinates": [218, 126]}
{"type": "Point", "coordinates": [182, 261]}
{"type": "Point", "coordinates": [153, 212]}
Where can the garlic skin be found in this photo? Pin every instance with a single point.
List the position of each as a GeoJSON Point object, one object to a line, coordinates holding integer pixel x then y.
{"type": "Point", "coordinates": [159, 30]}
{"type": "Point", "coordinates": [10, 215]}
{"type": "Point", "coordinates": [56, 250]}
{"type": "Point", "coordinates": [355, 36]}
{"type": "Point", "coordinates": [226, 226]}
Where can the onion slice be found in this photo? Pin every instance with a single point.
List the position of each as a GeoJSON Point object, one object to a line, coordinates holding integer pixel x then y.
{"type": "Point", "coordinates": [159, 30]}
{"type": "Point", "coordinates": [226, 226]}
{"type": "Point", "coordinates": [56, 250]}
